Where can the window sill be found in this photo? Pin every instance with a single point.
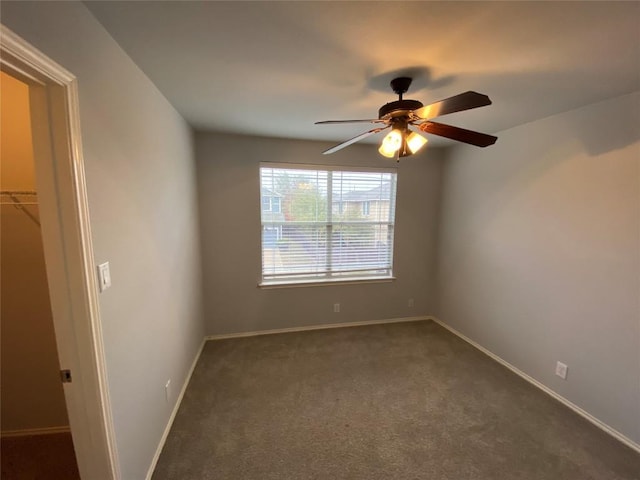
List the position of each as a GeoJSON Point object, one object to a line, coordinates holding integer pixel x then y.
{"type": "Point", "coordinates": [325, 283]}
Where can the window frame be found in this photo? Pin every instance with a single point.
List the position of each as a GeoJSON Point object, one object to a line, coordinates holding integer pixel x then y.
{"type": "Point", "coordinates": [274, 203]}
{"type": "Point", "coordinates": [328, 278]}
{"type": "Point", "coordinates": [265, 199]}
{"type": "Point", "coordinates": [270, 200]}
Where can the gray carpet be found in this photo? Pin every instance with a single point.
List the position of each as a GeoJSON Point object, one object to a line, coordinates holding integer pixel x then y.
{"type": "Point", "coordinates": [400, 401]}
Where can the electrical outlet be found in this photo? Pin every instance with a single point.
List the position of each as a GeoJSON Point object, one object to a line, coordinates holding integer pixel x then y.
{"type": "Point", "coordinates": [167, 390]}
{"type": "Point", "coordinates": [336, 308]}
{"type": "Point", "coordinates": [410, 303]}
{"type": "Point", "coordinates": [561, 370]}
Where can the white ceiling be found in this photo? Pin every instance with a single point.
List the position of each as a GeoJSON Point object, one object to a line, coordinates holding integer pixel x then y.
{"type": "Point", "coordinates": [274, 68]}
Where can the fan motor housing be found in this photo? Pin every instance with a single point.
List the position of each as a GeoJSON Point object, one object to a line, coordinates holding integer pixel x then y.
{"type": "Point", "coordinates": [399, 108]}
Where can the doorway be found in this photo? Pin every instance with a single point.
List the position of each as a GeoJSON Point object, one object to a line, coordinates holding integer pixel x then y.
{"type": "Point", "coordinates": [63, 219]}
{"type": "Point", "coordinates": [34, 419]}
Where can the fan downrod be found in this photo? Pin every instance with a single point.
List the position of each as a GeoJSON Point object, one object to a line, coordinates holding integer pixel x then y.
{"type": "Point", "coordinates": [400, 85]}
{"type": "Point", "coordinates": [400, 108]}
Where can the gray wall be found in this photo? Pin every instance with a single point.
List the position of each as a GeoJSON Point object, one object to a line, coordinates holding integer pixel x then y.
{"type": "Point", "coordinates": [539, 256]}
{"type": "Point", "coordinates": [141, 186]}
{"type": "Point", "coordinates": [228, 181]}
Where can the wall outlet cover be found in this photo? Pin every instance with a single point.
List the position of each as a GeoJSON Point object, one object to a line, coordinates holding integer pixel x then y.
{"type": "Point", "coordinates": [561, 370]}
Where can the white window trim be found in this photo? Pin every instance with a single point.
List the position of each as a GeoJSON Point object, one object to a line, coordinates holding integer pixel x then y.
{"type": "Point", "coordinates": [325, 283]}
{"type": "Point", "coordinates": [328, 279]}
{"type": "Point", "coordinates": [328, 168]}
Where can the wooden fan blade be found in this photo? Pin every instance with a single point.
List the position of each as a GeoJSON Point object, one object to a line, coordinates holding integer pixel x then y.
{"type": "Point", "coordinates": [340, 146]}
{"type": "Point", "coordinates": [328, 122]}
{"type": "Point", "coordinates": [460, 134]}
{"type": "Point", "coordinates": [457, 103]}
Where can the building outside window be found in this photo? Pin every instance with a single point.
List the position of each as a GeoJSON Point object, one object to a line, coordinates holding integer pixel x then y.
{"type": "Point", "coordinates": [271, 211]}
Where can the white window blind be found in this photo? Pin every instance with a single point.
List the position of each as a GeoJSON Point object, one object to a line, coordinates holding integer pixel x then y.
{"type": "Point", "coordinates": [332, 223]}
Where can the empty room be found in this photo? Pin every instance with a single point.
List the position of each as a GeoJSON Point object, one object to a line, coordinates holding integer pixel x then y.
{"type": "Point", "coordinates": [321, 240]}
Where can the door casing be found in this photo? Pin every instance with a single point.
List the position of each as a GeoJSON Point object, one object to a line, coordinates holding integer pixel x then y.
{"type": "Point", "coordinates": [68, 250]}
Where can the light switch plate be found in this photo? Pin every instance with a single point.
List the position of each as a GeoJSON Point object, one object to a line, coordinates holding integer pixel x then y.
{"type": "Point", "coordinates": [104, 276]}
{"type": "Point", "coordinates": [561, 370]}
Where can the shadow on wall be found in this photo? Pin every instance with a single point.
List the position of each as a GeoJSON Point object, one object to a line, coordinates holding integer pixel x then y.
{"type": "Point", "coordinates": [573, 141]}
{"type": "Point", "coordinates": [613, 128]}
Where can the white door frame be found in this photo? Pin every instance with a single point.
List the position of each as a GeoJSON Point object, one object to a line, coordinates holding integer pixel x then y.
{"type": "Point", "coordinates": [66, 234]}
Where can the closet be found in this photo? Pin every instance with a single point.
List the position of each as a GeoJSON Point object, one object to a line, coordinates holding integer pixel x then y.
{"type": "Point", "coordinates": [35, 429]}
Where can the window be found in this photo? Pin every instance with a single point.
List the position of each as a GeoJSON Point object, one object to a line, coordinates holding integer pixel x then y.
{"type": "Point", "coordinates": [323, 224]}
{"type": "Point", "coordinates": [270, 202]}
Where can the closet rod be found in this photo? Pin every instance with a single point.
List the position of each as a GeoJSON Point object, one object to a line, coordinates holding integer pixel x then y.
{"type": "Point", "coordinates": [21, 205]}
{"type": "Point", "coordinates": [18, 192]}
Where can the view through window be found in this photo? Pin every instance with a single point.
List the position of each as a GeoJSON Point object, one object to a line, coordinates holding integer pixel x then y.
{"type": "Point", "coordinates": [326, 224]}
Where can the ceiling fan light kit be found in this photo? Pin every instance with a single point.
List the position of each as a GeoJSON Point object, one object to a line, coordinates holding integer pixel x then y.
{"type": "Point", "coordinates": [401, 141]}
{"type": "Point", "coordinates": [415, 141]}
{"type": "Point", "coordinates": [391, 143]}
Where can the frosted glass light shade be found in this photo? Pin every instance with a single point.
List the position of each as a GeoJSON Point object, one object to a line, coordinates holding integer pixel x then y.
{"type": "Point", "coordinates": [391, 143]}
{"type": "Point", "coordinates": [415, 142]}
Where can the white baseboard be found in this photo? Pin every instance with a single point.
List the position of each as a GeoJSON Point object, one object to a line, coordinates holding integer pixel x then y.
{"type": "Point", "coordinates": [167, 429]}
{"type": "Point", "coordinates": [598, 423]}
{"type": "Point", "coordinates": [35, 431]}
{"type": "Point", "coordinates": [315, 327]}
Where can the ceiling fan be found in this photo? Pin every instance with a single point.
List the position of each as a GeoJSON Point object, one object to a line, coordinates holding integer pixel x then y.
{"type": "Point", "coordinates": [402, 141]}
